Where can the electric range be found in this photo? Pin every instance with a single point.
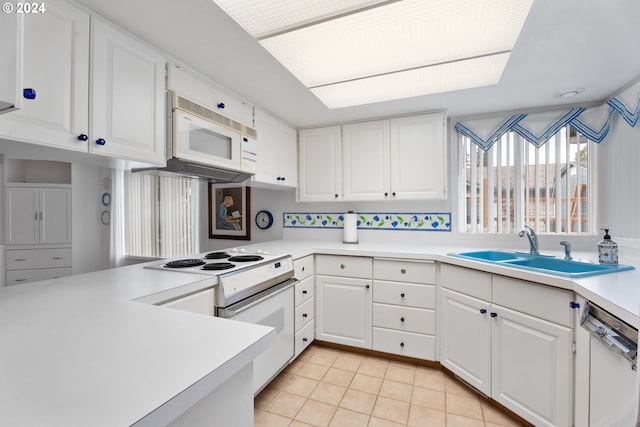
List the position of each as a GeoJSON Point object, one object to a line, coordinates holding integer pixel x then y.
{"type": "Point", "coordinates": [239, 274]}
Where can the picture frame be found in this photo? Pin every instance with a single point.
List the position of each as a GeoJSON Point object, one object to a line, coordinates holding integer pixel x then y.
{"type": "Point", "coordinates": [229, 210]}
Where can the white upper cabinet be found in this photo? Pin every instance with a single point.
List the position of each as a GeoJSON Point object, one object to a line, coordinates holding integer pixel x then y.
{"type": "Point", "coordinates": [128, 101]}
{"type": "Point", "coordinates": [56, 67]}
{"type": "Point", "coordinates": [365, 159]}
{"type": "Point", "coordinates": [418, 157]}
{"type": "Point", "coordinates": [117, 110]}
{"type": "Point", "coordinates": [207, 94]}
{"type": "Point", "coordinates": [277, 152]}
{"type": "Point", "coordinates": [320, 165]}
{"type": "Point", "coordinates": [395, 159]}
{"type": "Point", "coordinates": [38, 216]}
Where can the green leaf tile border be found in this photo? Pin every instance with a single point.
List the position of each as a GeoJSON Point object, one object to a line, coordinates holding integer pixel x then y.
{"type": "Point", "coordinates": [409, 221]}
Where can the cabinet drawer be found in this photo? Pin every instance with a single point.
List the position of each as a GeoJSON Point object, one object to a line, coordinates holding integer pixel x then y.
{"type": "Point", "coordinates": [404, 271]}
{"type": "Point", "coordinates": [466, 281]}
{"type": "Point", "coordinates": [406, 294]}
{"type": "Point", "coordinates": [344, 266]}
{"type": "Point", "coordinates": [404, 343]}
{"type": "Point", "coordinates": [541, 301]}
{"type": "Point", "coordinates": [18, 277]}
{"type": "Point", "coordinates": [304, 290]}
{"type": "Point", "coordinates": [404, 318]}
{"type": "Point", "coordinates": [303, 267]}
{"type": "Point", "coordinates": [304, 337]}
{"type": "Point", "coordinates": [304, 313]}
{"type": "Point", "coordinates": [22, 259]}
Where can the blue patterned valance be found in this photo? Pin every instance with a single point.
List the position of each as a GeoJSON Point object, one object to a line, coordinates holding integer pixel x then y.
{"type": "Point", "coordinates": [538, 128]}
{"type": "Point", "coordinates": [627, 104]}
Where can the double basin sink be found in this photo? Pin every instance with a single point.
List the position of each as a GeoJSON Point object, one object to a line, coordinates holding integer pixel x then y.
{"type": "Point", "coordinates": [543, 263]}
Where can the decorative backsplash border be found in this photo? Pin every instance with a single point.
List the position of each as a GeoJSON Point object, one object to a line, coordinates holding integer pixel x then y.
{"type": "Point", "coordinates": [409, 221]}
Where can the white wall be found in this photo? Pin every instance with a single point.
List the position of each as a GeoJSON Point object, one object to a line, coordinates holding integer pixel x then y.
{"type": "Point", "coordinates": [619, 180]}
{"type": "Point", "coordinates": [90, 242]}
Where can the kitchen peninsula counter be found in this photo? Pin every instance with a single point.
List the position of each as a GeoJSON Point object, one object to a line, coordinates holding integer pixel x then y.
{"type": "Point", "coordinates": [77, 351]}
{"type": "Point", "coordinates": [85, 350]}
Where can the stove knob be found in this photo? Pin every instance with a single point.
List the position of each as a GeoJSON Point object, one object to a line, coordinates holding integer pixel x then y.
{"type": "Point", "coordinates": [601, 331]}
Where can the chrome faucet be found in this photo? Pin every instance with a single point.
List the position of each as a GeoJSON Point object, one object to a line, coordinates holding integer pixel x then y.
{"type": "Point", "coordinates": [567, 249]}
{"type": "Point", "coordinates": [533, 239]}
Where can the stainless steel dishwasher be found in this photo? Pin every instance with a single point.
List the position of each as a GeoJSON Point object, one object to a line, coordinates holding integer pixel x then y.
{"type": "Point", "coordinates": [613, 379]}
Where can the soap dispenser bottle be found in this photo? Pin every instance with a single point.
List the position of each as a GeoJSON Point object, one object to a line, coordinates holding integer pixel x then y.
{"type": "Point", "coordinates": [607, 249]}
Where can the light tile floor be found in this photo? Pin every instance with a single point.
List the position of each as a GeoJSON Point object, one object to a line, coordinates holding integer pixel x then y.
{"type": "Point", "coordinates": [330, 387]}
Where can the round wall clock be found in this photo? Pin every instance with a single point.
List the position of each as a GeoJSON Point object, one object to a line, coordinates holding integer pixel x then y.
{"type": "Point", "coordinates": [264, 219]}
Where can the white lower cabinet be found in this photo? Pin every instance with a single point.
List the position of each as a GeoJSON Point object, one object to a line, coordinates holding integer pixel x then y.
{"type": "Point", "coordinates": [404, 302]}
{"type": "Point", "coordinates": [522, 359]}
{"type": "Point", "coordinates": [305, 304]}
{"type": "Point", "coordinates": [344, 300]}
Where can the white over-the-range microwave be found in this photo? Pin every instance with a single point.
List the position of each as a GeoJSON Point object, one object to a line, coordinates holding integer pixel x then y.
{"type": "Point", "coordinates": [206, 144]}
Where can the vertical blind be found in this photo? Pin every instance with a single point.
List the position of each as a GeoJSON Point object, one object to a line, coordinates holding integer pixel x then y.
{"type": "Point", "coordinates": [162, 216]}
{"type": "Point", "coordinates": [514, 183]}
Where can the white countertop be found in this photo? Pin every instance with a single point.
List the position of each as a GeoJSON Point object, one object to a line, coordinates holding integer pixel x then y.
{"type": "Point", "coordinates": [76, 351]}
{"type": "Point", "coordinates": [79, 350]}
{"type": "Point", "coordinates": [618, 293]}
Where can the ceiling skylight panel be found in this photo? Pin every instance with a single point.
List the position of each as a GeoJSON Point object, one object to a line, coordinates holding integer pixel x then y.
{"type": "Point", "coordinates": [394, 37]}
{"type": "Point", "coordinates": [453, 76]}
{"type": "Point", "coordinates": [261, 18]}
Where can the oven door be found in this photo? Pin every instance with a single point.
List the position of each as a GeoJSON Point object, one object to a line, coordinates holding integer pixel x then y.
{"type": "Point", "coordinates": [203, 141]}
{"type": "Point", "coordinates": [273, 307]}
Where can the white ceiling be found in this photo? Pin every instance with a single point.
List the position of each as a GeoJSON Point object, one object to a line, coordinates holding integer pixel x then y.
{"type": "Point", "coordinates": [565, 44]}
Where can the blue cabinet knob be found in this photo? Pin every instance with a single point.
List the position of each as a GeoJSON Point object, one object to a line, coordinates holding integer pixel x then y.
{"type": "Point", "coordinates": [82, 137]}
{"type": "Point", "coordinates": [29, 93]}
{"type": "Point", "coordinates": [221, 105]}
{"type": "Point", "coordinates": [483, 311]}
{"type": "Point", "coordinates": [574, 305]}
{"type": "Point", "coordinates": [494, 314]}
{"type": "Point", "coordinates": [100, 141]}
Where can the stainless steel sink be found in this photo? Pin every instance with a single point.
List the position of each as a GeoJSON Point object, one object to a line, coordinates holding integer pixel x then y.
{"type": "Point", "coordinates": [543, 263]}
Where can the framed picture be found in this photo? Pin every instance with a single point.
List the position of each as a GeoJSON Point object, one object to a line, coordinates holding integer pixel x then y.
{"type": "Point", "coordinates": [229, 210]}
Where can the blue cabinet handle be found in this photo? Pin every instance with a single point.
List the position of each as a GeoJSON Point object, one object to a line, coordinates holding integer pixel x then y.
{"type": "Point", "coordinates": [100, 141]}
{"type": "Point", "coordinates": [574, 305]}
{"type": "Point", "coordinates": [483, 311]}
{"type": "Point", "coordinates": [221, 105]}
{"type": "Point", "coordinates": [494, 314]}
{"type": "Point", "coordinates": [82, 137]}
{"type": "Point", "coordinates": [29, 93]}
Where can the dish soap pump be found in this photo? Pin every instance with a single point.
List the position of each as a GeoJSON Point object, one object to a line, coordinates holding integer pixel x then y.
{"type": "Point", "coordinates": [607, 249]}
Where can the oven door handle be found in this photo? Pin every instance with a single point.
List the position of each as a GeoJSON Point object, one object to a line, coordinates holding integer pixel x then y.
{"type": "Point", "coordinates": [246, 304]}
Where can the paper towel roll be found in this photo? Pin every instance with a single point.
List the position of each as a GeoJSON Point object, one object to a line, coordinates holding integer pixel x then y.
{"type": "Point", "coordinates": [350, 228]}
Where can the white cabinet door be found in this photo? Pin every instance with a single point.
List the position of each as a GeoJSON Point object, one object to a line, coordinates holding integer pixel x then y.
{"type": "Point", "coordinates": [38, 216]}
{"type": "Point", "coordinates": [320, 165]}
{"type": "Point", "coordinates": [418, 157]}
{"type": "Point", "coordinates": [365, 160]}
{"type": "Point", "coordinates": [531, 368]}
{"type": "Point", "coordinates": [21, 216]}
{"type": "Point", "coordinates": [268, 167]}
{"type": "Point", "coordinates": [128, 101]}
{"type": "Point", "coordinates": [55, 217]}
{"type": "Point", "coordinates": [277, 152]}
{"type": "Point", "coordinates": [344, 311]}
{"type": "Point", "coordinates": [465, 338]}
{"type": "Point", "coordinates": [288, 155]}
{"type": "Point", "coordinates": [56, 66]}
